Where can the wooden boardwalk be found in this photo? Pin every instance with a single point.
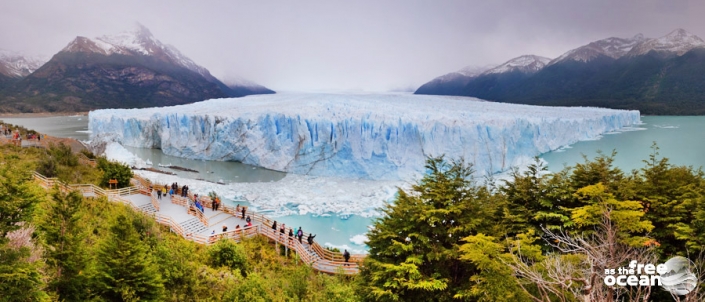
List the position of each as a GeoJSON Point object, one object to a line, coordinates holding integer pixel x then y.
{"type": "Point", "coordinates": [207, 227]}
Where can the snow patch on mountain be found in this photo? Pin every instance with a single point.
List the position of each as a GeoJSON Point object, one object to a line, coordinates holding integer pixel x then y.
{"type": "Point", "coordinates": [611, 47]}
{"type": "Point", "coordinates": [138, 41]}
{"type": "Point", "coordinates": [466, 72]}
{"type": "Point", "coordinates": [677, 42]}
{"type": "Point", "coordinates": [362, 136]}
{"type": "Point", "coordinates": [524, 64]}
{"type": "Point", "coordinates": [15, 64]}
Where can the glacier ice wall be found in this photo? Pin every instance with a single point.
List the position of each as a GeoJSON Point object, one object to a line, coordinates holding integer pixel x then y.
{"type": "Point", "coordinates": [363, 136]}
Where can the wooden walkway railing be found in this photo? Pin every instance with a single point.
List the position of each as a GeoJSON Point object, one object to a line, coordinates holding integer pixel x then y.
{"type": "Point", "coordinates": [315, 255]}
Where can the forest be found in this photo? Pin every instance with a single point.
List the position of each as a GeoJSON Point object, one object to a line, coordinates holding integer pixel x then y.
{"type": "Point", "coordinates": [539, 236]}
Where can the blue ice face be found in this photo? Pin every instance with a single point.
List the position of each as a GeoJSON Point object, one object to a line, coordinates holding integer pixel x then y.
{"type": "Point", "coordinates": [361, 143]}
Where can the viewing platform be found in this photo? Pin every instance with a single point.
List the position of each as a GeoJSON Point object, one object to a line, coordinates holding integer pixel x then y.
{"type": "Point", "coordinates": [183, 218]}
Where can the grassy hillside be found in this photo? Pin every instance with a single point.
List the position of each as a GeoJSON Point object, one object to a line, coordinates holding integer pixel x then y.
{"type": "Point", "coordinates": [58, 246]}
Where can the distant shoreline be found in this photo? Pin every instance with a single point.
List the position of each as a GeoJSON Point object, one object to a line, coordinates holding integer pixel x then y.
{"type": "Point", "coordinates": [40, 114]}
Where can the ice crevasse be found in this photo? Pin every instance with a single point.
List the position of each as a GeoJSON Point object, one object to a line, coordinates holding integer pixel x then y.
{"type": "Point", "coordinates": [372, 136]}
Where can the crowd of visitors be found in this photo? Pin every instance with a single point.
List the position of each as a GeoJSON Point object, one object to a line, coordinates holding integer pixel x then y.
{"type": "Point", "coordinates": [288, 234]}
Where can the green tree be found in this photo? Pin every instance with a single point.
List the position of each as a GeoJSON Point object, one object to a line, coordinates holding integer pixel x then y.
{"type": "Point", "coordinates": [20, 277]}
{"type": "Point", "coordinates": [64, 238]}
{"type": "Point", "coordinates": [672, 197]}
{"type": "Point", "coordinates": [18, 197]}
{"type": "Point", "coordinates": [125, 270]}
{"type": "Point", "coordinates": [494, 280]}
{"type": "Point", "coordinates": [414, 248]}
{"type": "Point", "coordinates": [253, 288]}
{"type": "Point", "coordinates": [114, 170]}
{"type": "Point", "coordinates": [627, 216]}
{"type": "Point", "coordinates": [229, 254]}
{"type": "Point", "coordinates": [534, 201]}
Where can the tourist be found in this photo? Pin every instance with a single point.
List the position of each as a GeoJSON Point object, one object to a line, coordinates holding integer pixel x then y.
{"type": "Point", "coordinates": [310, 238]}
{"type": "Point", "coordinates": [274, 227]}
{"type": "Point", "coordinates": [291, 235]}
{"type": "Point", "coordinates": [248, 219]}
{"type": "Point", "coordinates": [214, 206]}
{"type": "Point", "coordinates": [164, 190]}
{"type": "Point", "coordinates": [171, 192]}
{"type": "Point", "coordinates": [159, 194]}
{"type": "Point", "coordinates": [249, 224]}
{"type": "Point", "coordinates": [346, 255]}
{"type": "Point", "coordinates": [300, 234]}
{"type": "Point", "coordinates": [243, 212]}
{"type": "Point", "coordinates": [282, 230]}
{"type": "Point", "coordinates": [225, 228]}
{"type": "Point", "coordinates": [237, 209]}
{"type": "Point", "coordinates": [237, 227]}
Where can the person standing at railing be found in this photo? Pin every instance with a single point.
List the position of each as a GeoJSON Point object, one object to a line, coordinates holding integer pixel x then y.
{"type": "Point", "coordinates": [274, 227]}
{"type": "Point", "coordinates": [159, 194]}
{"type": "Point", "coordinates": [300, 234]}
{"type": "Point", "coordinates": [310, 238]}
{"type": "Point", "coordinates": [243, 212]}
{"type": "Point", "coordinates": [346, 255]}
{"type": "Point", "coordinates": [291, 235]}
{"type": "Point", "coordinates": [282, 230]}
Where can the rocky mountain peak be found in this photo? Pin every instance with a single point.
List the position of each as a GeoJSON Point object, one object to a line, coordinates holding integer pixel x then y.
{"type": "Point", "coordinates": [17, 65]}
{"type": "Point", "coordinates": [677, 42]}
{"type": "Point", "coordinates": [525, 64]}
{"type": "Point", "coordinates": [612, 47]}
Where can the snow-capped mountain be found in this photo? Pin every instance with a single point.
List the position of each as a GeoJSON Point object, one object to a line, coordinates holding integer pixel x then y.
{"type": "Point", "coordinates": [132, 69]}
{"type": "Point", "coordinates": [677, 42]}
{"type": "Point", "coordinates": [17, 65]}
{"type": "Point", "coordinates": [524, 64]}
{"type": "Point", "coordinates": [611, 47]}
{"type": "Point", "coordinates": [450, 83]}
{"type": "Point", "coordinates": [467, 72]}
{"type": "Point", "coordinates": [138, 41]}
{"type": "Point", "coordinates": [612, 72]}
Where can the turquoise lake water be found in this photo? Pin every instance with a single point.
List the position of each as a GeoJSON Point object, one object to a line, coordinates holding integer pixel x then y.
{"type": "Point", "coordinates": [680, 138]}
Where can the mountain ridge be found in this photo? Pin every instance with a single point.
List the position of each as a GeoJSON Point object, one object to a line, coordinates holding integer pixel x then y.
{"type": "Point", "coordinates": [623, 73]}
{"type": "Point", "coordinates": [131, 69]}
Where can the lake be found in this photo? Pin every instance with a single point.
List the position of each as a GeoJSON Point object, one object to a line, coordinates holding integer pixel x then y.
{"type": "Point", "coordinates": [680, 138]}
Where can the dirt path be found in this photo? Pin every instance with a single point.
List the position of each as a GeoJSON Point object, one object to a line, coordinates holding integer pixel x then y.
{"type": "Point", "coordinates": [75, 145]}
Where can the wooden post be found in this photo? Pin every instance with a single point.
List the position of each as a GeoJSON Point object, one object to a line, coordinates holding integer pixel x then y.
{"type": "Point", "coordinates": [112, 182]}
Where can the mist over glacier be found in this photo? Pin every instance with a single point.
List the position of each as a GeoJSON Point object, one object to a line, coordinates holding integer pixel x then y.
{"type": "Point", "coordinates": [369, 136]}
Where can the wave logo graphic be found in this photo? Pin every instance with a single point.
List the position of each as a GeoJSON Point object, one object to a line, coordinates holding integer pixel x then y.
{"type": "Point", "coordinates": [679, 278]}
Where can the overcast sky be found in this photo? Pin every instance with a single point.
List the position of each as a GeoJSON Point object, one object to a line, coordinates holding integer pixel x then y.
{"type": "Point", "coordinates": [373, 45]}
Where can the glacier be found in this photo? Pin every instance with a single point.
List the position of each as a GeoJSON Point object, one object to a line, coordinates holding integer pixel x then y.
{"type": "Point", "coordinates": [366, 136]}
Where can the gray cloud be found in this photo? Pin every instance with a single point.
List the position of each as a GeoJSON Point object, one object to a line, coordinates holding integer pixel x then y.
{"type": "Point", "coordinates": [369, 45]}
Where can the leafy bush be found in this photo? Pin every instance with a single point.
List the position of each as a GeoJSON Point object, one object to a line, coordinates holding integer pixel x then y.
{"type": "Point", "coordinates": [47, 166]}
{"type": "Point", "coordinates": [114, 170]}
{"type": "Point", "coordinates": [88, 154]}
{"type": "Point", "coordinates": [229, 254]}
{"type": "Point", "coordinates": [63, 155]}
